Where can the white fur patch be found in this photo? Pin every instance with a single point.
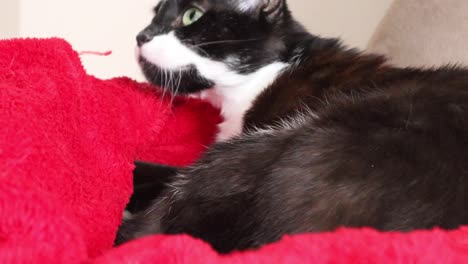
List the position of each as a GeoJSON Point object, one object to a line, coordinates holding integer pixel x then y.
{"type": "Point", "coordinates": [234, 93]}
{"type": "Point", "coordinates": [178, 186]}
{"type": "Point", "coordinates": [238, 97]}
{"type": "Point", "coordinates": [127, 215]}
{"type": "Point", "coordinates": [293, 122]}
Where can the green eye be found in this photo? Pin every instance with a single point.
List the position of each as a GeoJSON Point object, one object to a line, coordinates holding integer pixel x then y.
{"type": "Point", "coordinates": [191, 16]}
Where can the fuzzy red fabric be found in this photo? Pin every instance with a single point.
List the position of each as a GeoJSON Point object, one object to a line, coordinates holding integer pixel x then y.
{"type": "Point", "coordinates": [67, 145]}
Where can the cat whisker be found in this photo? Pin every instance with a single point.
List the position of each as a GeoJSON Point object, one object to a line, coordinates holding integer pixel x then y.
{"type": "Point", "coordinates": [173, 88]}
{"type": "Point", "coordinates": [197, 48]}
{"type": "Point", "coordinates": [164, 81]}
{"type": "Point", "coordinates": [159, 74]}
{"type": "Point", "coordinates": [227, 42]}
{"type": "Point", "coordinates": [180, 80]}
{"type": "Point", "coordinates": [168, 80]}
{"type": "Point", "coordinates": [169, 86]}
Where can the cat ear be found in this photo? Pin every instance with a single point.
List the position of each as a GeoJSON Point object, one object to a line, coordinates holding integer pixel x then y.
{"type": "Point", "coordinates": [272, 9]}
{"type": "Point", "coordinates": [270, 6]}
{"type": "Point", "coordinates": [248, 6]}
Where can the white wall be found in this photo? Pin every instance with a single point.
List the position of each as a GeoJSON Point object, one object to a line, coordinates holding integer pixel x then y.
{"type": "Point", "coordinates": [102, 25]}
{"type": "Point", "coordinates": [352, 20]}
{"type": "Point", "coordinates": [9, 18]}
{"type": "Point", "coordinates": [97, 25]}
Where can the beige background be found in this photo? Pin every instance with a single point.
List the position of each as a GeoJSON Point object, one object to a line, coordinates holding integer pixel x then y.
{"type": "Point", "coordinates": [9, 18]}
{"type": "Point", "coordinates": [112, 25]}
{"type": "Point", "coordinates": [424, 33]}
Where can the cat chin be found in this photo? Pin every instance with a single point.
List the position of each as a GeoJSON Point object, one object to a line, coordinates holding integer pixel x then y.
{"type": "Point", "coordinates": [184, 81]}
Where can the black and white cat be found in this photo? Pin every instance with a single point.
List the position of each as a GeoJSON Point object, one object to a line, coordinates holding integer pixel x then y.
{"type": "Point", "coordinates": [316, 136]}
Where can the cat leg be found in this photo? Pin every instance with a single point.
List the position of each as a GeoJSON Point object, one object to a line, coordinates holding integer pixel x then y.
{"type": "Point", "coordinates": [149, 180]}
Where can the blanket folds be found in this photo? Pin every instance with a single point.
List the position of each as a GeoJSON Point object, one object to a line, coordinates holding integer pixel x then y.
{"type": "Point", "coordinates": [67, 146]}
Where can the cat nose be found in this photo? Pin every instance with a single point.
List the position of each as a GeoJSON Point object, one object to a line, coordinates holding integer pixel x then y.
{"type": "Point", "coordinates": [143, 37]}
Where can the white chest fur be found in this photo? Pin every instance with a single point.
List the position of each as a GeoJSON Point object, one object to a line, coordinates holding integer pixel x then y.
{"type": "Point", "coordinates": [236, 98]}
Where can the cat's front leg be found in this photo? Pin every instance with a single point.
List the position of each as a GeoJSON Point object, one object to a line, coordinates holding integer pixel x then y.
{"type": "Point", "coordinates": [149, 181]}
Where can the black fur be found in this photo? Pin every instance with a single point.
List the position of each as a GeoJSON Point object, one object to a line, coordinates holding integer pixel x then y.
{"type": "Point", "coordinates": [146, 186]}
{"type": "Point", "coordinates": [149, 181]}
{"type": "Point", "coordinates": [367, 144]}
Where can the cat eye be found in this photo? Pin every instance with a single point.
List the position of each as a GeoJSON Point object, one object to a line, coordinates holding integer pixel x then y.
{"type": "Point", "coordinates": [191, 16]}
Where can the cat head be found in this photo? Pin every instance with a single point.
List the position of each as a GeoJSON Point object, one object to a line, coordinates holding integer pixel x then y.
{"type": "Point", "coordinates": [192, 45]}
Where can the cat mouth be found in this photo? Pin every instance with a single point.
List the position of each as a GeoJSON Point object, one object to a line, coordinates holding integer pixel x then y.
{"type": "Point", "coordinates": [186, 80]}
{"type": "Point", "coordinates": [144, 62]}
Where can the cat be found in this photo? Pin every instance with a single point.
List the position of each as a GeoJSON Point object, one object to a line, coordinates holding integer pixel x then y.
{"type": "Point", "coordinates": [315, 136]}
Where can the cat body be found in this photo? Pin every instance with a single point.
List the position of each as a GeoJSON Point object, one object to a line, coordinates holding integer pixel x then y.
{"type": "Point", "coordinates": [316, 136]}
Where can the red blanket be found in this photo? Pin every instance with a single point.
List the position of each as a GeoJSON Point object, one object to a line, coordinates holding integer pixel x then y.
{"type": "Point", "coordinates": [67, 146]}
